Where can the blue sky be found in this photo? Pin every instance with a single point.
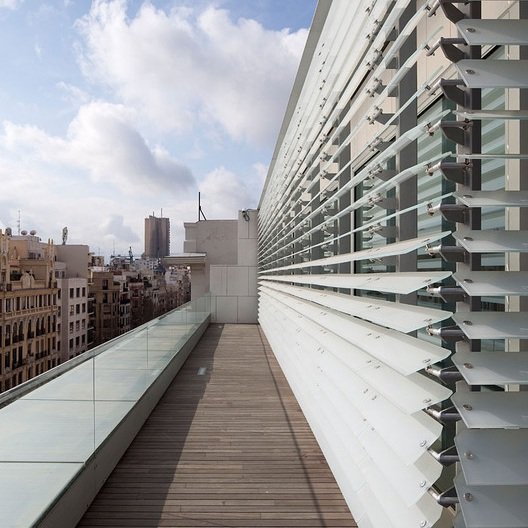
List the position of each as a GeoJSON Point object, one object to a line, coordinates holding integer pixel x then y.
{"type": "Point", "coordinates": [113, 109]}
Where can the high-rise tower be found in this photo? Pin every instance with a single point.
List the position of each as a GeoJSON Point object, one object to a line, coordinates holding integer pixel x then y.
{"type": "Point", "coordinates": [157, 237]}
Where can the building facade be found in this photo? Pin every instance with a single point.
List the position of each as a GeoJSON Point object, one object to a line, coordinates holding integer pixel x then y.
{"type": "Point", "coordinates": [157, 237]}
{"type": "Point", "coordinates": [392, 257]}
{"type": "Point", "coordinates": [73, 327]}
{"type": "Point", "coordinates": [29, 307]}
{"type": "Point", "coordinates": [105, 318]}
{"type": "Point", "coordinates": [71, 272]}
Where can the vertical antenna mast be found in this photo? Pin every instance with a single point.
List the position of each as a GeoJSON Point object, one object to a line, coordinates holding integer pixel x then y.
{"type": "Point", "coordinates": [18, 222]}
{"type": "Point", "coordinates": [200, 211]}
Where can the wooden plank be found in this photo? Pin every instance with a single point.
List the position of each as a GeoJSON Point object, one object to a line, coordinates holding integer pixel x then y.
{"type": "Point", "coordinates": [228, 448]}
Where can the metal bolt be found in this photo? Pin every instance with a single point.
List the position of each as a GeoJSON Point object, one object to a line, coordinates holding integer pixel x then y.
{"type": "Point", "coordinates": [468, 365]}
{"type": "Point", "coordinates": [470, 72]}
{"type": "Point", "coordinates": [469, 455]}
{"type": "Point", "coordinates": [423, 483]}
{"type": "Point", "coordinates": [467, 195]}
{"type": "Point", "coordinates": [427, 400]}
{"type": "Point", "coordinates": [468, 238]}
{"type": "Point", "coordinates": [469, 323]}
{"type": "Point", "coordinates": [423, 524]}
{"type": "Point", "coordinates": [471, 30]}
{"type": "Point", "coordinates": [423, 443]}
{"type": "Point", "coordinates": [469, 281]}
{"type": "Point", "coordinates": [467, 407]}
{"type": "Point", "coordinates": [468, 496]}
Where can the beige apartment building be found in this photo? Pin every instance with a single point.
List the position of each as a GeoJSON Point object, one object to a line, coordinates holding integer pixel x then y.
{"type": "Point", "coordinates": [29, 337]}
{"type": "Point", "coordinates": [106, 314]}
{"type": "Point", "coordinates": [71, 270]}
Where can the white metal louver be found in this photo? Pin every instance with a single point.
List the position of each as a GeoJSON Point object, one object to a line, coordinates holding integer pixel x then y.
{"type": "Point", "coordinates": [493, 368]}
{"type": "Point", "coordinates": [350, 248]}
{"type": "Point", "coordinates": [406, 282]}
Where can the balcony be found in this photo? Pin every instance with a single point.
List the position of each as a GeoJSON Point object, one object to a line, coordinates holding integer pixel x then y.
{"type": "Point", "coordinates": [227, 442]}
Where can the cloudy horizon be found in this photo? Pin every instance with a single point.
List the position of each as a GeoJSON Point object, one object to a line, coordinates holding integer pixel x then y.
{"type": "Point", "coordinates": [114, 109]}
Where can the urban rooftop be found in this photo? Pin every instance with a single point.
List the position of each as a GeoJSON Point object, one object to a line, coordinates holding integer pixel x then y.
{"type": "Point", "coordinates": [352, 352]}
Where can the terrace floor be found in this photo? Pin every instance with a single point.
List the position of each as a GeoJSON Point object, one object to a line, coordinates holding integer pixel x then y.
{"type": "Point", "coordinates": [227, 445]}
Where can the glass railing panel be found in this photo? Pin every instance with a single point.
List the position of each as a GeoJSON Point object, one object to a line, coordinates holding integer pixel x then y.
{"type": "Point", "coordinates": [53, 424]}
{"type": "Point", "coordinates": [28, 489]}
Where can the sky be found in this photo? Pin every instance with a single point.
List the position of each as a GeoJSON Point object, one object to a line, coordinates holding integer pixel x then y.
{"type": "Point", "coordinates": [112, 110]}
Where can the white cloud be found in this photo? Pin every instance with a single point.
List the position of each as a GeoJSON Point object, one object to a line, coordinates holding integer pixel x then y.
{"type": "Point", "coordinates": [115, 227]}
{"type": "Point", "coordinates": [224, 193]}
{"type": "Point", "coordinates": [177, 68]}
{"type": "Point", "coordinates": [103, 142]}
{"type": "Point", "coordinates": [73, 94]}
{"type": "Point", "coordinates": [10, 4]}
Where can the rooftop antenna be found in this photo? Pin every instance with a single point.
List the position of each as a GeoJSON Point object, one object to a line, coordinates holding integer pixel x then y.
{"type": "Point", "coordinates": [18, 222]}
{"type": "Point", "coordinates": [161, 214]}
{"type": "Point", "coordinates": [64, 235]}
{"type": "Point", "coordinates": [200, 210]}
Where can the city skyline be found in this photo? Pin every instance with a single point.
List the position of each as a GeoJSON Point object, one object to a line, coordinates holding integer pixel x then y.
{"type": "Point", "coordinates": [112, 109]}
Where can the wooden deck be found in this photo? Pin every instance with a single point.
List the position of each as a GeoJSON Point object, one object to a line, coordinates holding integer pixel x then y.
{"type": "Point", "coordinates": [228, 448]}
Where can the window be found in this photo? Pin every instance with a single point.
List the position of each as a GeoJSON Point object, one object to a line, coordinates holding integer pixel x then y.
{"type": "Point", "coordinates": [78, 292]}
{"type": "Point", "coordinates": [71, 328]}
{"type": "Point", "coordinates": [71, 293]}
{"type": "Point", "coordinates": [72, 309]}
{"type": "Point", "coordinates": [84, 292]}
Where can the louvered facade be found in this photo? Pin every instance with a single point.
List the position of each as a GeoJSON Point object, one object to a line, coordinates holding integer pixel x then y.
{"type": "Point", "coordinates": [392, 257]}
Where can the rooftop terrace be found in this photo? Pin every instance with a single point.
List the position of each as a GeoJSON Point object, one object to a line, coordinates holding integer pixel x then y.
{"type": "Point", "coordinates": [227, 445]}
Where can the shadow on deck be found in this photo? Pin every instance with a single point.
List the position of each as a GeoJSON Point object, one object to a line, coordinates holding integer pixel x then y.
{"type": "Point", "coordinates": [230, 447]}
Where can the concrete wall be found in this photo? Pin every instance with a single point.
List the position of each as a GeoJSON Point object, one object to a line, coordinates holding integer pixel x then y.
{"type": "Point", "coordinates": [217, 238]}
{"type": "Point", "coordinates": [230, 272]}
{"type": "Point", "coordinates": [234, 287]}
{"type": "Point", "coordinates": [76, 257]}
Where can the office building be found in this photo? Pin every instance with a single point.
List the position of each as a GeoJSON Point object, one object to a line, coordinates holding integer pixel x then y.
{"type": "Point", "coordinates": [157, 237]}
